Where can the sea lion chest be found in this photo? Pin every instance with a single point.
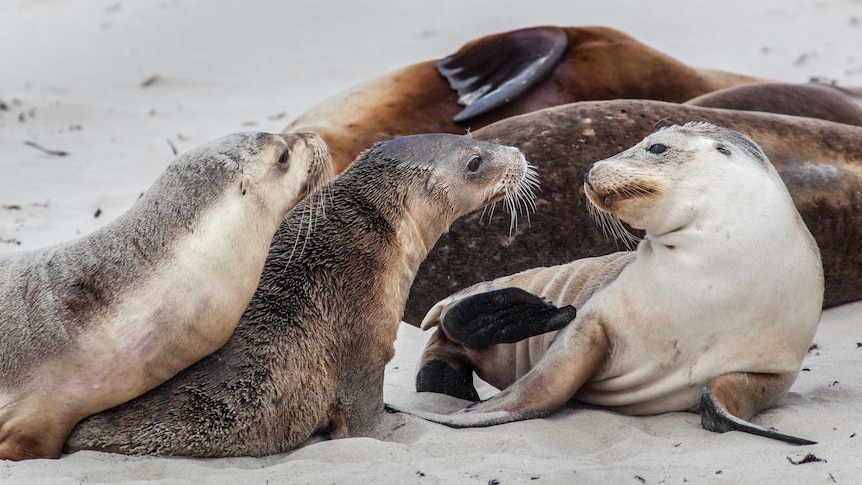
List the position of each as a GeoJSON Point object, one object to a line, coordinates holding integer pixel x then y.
{"type": "Point", "coordinates": [678, 318]}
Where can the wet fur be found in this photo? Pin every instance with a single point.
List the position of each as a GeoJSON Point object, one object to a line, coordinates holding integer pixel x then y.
{"type": "Point", "coordinates": [312, 344]}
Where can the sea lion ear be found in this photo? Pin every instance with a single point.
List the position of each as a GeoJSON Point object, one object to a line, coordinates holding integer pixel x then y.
{"type": "Point", "coordinates": [245, 183]}
{"type": "Point", "coordinates": [492, 71]}
{"type": "Point", "coordinates": [430, 183]}
{"type": "Point", "coordinates": [722, 149]}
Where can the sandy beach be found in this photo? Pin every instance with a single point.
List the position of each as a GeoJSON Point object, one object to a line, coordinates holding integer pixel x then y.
{"type": "Point", "coordinates": [120, 86]}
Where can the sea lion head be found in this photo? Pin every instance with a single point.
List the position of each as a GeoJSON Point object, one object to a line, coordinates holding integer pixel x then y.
{"type": "Point", "coordinates": [277, 171]}
{"type": "Point", "coordinates": [677, 175]}
{"type": "Point", "coordinates": [449, 176]}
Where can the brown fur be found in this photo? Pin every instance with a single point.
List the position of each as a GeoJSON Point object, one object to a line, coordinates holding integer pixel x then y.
{"type": "Point", "coordinates": [312, 345]}
{"type": "Point", "coordinates": [821, 163]}
{"type": "Point", "coordinates": [599, 63]}
{"type": "Point", "coordinates": [813, 100]}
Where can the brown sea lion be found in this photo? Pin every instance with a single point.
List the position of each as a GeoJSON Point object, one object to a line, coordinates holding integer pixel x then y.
{"type": "Point", "coordinates": [714, 312]}
{"type": "Point", "coordinates": [811, 100]}
{"type": "Point", "coordinates": [311, 347]}
{"type": "Point", "coordinates": [92, 323]}
{"type": "Point", "coordinates": [821, 163]}
{"type": "Point", "coordinates": [503, 75]}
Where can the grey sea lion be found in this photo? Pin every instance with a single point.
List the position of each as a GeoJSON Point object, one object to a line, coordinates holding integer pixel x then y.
{"type": "Point", "coordinates": [714, 312]}
{"type": "Point", "coordinates": [502, 75]}
{"type": "Point", "coordinates": [820, 162]}
{"type": "Point", "coordinates": [311, 347]}
{"type": "Point", "coordinates": [94, 322]}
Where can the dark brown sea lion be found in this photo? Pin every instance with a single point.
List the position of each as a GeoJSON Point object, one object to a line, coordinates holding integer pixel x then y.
{"type": "Point", "coordinates": [503, 75]}
{"type": "Point", "coordinates": [311, 347]}
{"type": "Point", "coordinates": [821, 163]}
{"type": "Point", "coordinates": [94, 322]}
{"type": "Point", "coordinates": [811, 100]}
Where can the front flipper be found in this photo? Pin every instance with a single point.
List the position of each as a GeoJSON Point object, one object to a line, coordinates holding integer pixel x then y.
{"type": "Point", "coordinates": [729, 400]}
{"type": "Point", "coordinates": [574, 356]}
{"type": "Point", "coordinates": [495, 70]}
{"type": "Point", "coordinates": [502, 316]}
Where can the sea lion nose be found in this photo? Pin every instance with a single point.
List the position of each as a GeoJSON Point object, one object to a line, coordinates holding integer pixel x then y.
{"type": "Point", "coordinates": [587, 175]}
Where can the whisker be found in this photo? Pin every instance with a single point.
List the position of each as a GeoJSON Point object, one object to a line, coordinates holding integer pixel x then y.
{"type": "Point", "coordinates": [612, 226]}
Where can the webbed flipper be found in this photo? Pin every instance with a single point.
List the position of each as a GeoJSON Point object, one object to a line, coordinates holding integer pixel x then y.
{"type": "Point", "coordinates": [507, 315]}
{"type": "Point", "coordinates": [494, 70]}
{"type": "Point", "coordinates": [728, 400]}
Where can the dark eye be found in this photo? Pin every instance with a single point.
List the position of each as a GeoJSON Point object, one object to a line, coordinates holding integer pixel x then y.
{"type": "Point", "coordinates": [284, 159]}
{"type": "Point", "coordinates": [474, 163]}
{"type": "Point", "coordinates": [657, 148]}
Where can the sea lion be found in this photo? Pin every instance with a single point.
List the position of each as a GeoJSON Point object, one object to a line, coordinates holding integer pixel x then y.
{"type": "Point", "coordinates": [503, 75]}
{"type": "Point", "coordinates": [820, 162]}
{"type": "Point", "coordinates": [97, 321]}
{"type": "Point", "coordinates": [812, 100]}
{"type": "Point", "coordinates": [312, 345]}
{"type": "Point", "coordinates": [714, 312]}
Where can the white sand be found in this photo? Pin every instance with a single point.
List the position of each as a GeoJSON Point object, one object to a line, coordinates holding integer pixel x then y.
{"type": "Point", "coordinates": [71, 75]}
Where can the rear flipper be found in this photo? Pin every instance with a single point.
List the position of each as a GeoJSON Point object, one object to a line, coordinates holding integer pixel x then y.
{"type": "Point", "coordinates": [729, 400]}
{"type": "Point", "coordinates": [495, 70]}
{"type": "Point", "coordinates": [465, 419]}
{"type": "Point", "coordinates": [502, 316]}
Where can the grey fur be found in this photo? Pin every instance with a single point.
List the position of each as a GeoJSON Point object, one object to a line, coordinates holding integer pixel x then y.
{"type": "Point", "coordinates": [50, 295]}
{"type": "Point", "coordinates": [313, 342]}
{"type": "Point", "coordinates": [94, 322]}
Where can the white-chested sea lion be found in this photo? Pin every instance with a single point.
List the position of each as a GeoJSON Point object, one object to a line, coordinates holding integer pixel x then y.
{"type": "Point", "coordinates": [503, 75]}
{"type": "Point", "coordinates": [820, 162]}
{"type": "Point", "coordinates": [714, 311]}
{"type": "Point", "coordinates": [95, 322]}
{"type": "Point", "coordinates": [312, 345]}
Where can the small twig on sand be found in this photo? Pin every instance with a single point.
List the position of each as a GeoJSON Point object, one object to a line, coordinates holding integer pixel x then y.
{"type": "Point", "coordinates": [150, 81]}
{"type": "Point", "coordinates": [171, 144]}
{"type": "Point", "coordinates": [56, 153]}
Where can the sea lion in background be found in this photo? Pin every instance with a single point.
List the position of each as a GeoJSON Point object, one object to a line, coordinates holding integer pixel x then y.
{"type": "Point", "coordinates": [503, 75]}
{"type": "Point", "coordinates": [714, 312]}
{"type": "Point", "coordinates": [95, 322]}
{"type": "Point", "coordinates": [821, 163]}
{"type": "Point", "coordinates": [812, 100]}
{"type": "Point", "coordinates": [312, 345]}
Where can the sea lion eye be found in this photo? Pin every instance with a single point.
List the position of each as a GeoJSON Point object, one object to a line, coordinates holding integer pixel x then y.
{"type": "Point", "coordinates": [474, 163]}
{"type": "Point", "coordinates": [657, 148]}
{"type": "Point", "coordinates": [284, 159]}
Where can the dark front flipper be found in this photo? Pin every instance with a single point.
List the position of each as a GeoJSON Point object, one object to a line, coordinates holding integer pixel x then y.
{"type": "Point", "coordinates": [495, 70]}
{"type": "Point", "coordinates": [502, 316]}
{"type": "Point", "coordinates": [728, 400]}
{"type": "Point", "coordinates": [440, 377]}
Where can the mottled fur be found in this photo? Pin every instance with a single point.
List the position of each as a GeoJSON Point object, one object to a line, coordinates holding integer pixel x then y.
{"type": "Point", "coordinates": [312, 344]}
